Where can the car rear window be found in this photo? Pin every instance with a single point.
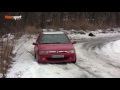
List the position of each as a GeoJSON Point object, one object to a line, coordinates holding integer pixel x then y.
{"type": "Point", "coordinates": [54, 39]}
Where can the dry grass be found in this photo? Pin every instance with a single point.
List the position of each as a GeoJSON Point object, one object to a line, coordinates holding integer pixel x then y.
{"type": "Point", "coordinates": [6, 54]}
{"type": "Point", "coordinates": [53, 26]}
{"type": "Point", "coordinates": [0, 61]}
{"type": "Point", "coordinates": [0, 58]}
{"type": "Point", "coordinates": [6, 48]}
{"type": "Point", "coordinates": [17, 35]}
{"type": "Point", "coordinates": [32, 30]}
{"type": "Point", "coordinates": [84, 25]}
{"type": "Point", "coordinates": [7, 51]}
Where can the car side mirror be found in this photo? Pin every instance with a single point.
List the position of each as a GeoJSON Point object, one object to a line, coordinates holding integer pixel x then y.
{"type": "Point", "coordinates": [35, 44]}
{"type": "Point", "coordinates": [74, 42]}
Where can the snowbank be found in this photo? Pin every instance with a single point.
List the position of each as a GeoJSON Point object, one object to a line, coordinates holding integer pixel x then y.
{"type": "Point", "coordinates": [116, 46]}
{"type": "Point", "coordinates": [112, 47]}
{"type": "Point", "coordinates": [81, 34]}
{"type": "Point", "coordinates": [7, 37]}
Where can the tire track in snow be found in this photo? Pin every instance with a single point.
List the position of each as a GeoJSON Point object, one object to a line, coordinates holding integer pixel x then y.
{"type": "Point", "coordinates": [22, 45]}
{"type": "Point", "coordinates": [91, 50]}
{"type": "Point", "coordinates": [96, 76]}
{"type": "Point", "coordinates": [67, 67]}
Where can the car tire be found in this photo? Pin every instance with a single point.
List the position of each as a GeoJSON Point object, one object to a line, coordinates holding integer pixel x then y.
{"type": "Point", "coordinates": [34, 55]}
{"type": "Point", "coordinates": [74, 61]}
{"type": "Point", "coordinates": [37, 59]}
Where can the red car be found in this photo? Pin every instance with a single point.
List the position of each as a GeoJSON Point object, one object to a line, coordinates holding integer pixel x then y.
{"type": "Point", "coordinates": [54, 47]}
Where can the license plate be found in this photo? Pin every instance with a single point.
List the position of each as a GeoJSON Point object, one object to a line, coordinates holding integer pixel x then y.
{"type": "Point", "coordinates": [57, 56]}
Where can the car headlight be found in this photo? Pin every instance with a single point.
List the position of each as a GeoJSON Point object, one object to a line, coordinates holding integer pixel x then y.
{"type": "Point", "coordinates": [71, 51]}
{"type": "Point", "coordinates": [43, 52]}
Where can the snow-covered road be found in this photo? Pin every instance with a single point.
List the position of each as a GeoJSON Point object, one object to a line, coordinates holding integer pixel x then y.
{"type": "Point", "coordinates": [94, 55]}
{"type": "Point", "coordinates": [94, 60]}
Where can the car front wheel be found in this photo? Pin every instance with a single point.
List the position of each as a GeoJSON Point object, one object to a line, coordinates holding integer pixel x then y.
{"type": "Point", "coordinates": [34, 55]}
{"type": "Point", "coordinates": [74, 61]}
{"type": "Point", "coordinates": [37, 58]}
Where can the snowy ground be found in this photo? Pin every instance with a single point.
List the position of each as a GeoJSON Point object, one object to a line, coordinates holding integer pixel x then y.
{"type": "Point", "coordinates": [97, 57]}
{"type": "Point", "coordinates": [1, 75]}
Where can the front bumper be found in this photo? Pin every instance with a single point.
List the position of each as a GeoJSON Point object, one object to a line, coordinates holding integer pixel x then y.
{"type": "Point", "coordinates": [47, 58]}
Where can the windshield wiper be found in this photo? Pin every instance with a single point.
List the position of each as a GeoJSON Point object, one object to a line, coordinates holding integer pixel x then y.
{"type": "Point", "coordinates": [56, 43]}
{"type": "Point", "coordinates": [45, 43]}
{"type": "Point", "coordinates": [59, 43]}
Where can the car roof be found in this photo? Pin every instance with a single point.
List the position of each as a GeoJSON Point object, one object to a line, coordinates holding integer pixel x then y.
{"type": "Point", "coordinates": [55, 32]}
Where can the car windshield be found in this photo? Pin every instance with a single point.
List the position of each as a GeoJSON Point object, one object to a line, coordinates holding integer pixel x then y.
{"type": "Point", "coordinates": [54, 39]}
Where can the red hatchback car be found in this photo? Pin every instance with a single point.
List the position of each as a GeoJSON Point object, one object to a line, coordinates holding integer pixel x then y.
{"type": "Point", "coordinates": [54, 47]}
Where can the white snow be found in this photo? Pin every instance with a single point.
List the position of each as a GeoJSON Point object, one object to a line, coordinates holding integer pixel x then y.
{"type": "Point", "coordinates": [52, 32]}
{"type": "Point", "coordinates": [116, 46]}
{"type": "Point", "coordinates": [96, 58]}
{"type": "Point", "coordinates": [96, 33]}
{"type": "Point", "coordinates": [7, 37]}
{"type": "Point", "coordinates": [1, 75]}
{"type": "Point", "coordinates": [113, 47]}
{"type": "Point", "coordinates": [98, 63]}
{"type": "Point", "coordinates": [25, 66]}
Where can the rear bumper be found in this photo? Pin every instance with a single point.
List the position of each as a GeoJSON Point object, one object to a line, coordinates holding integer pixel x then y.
{"type": "Point", "coordinates": [48, 58]}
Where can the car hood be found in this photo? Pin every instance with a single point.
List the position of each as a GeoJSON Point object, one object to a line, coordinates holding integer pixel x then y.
{"type": "Point", "coordinates": [56, 47]}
